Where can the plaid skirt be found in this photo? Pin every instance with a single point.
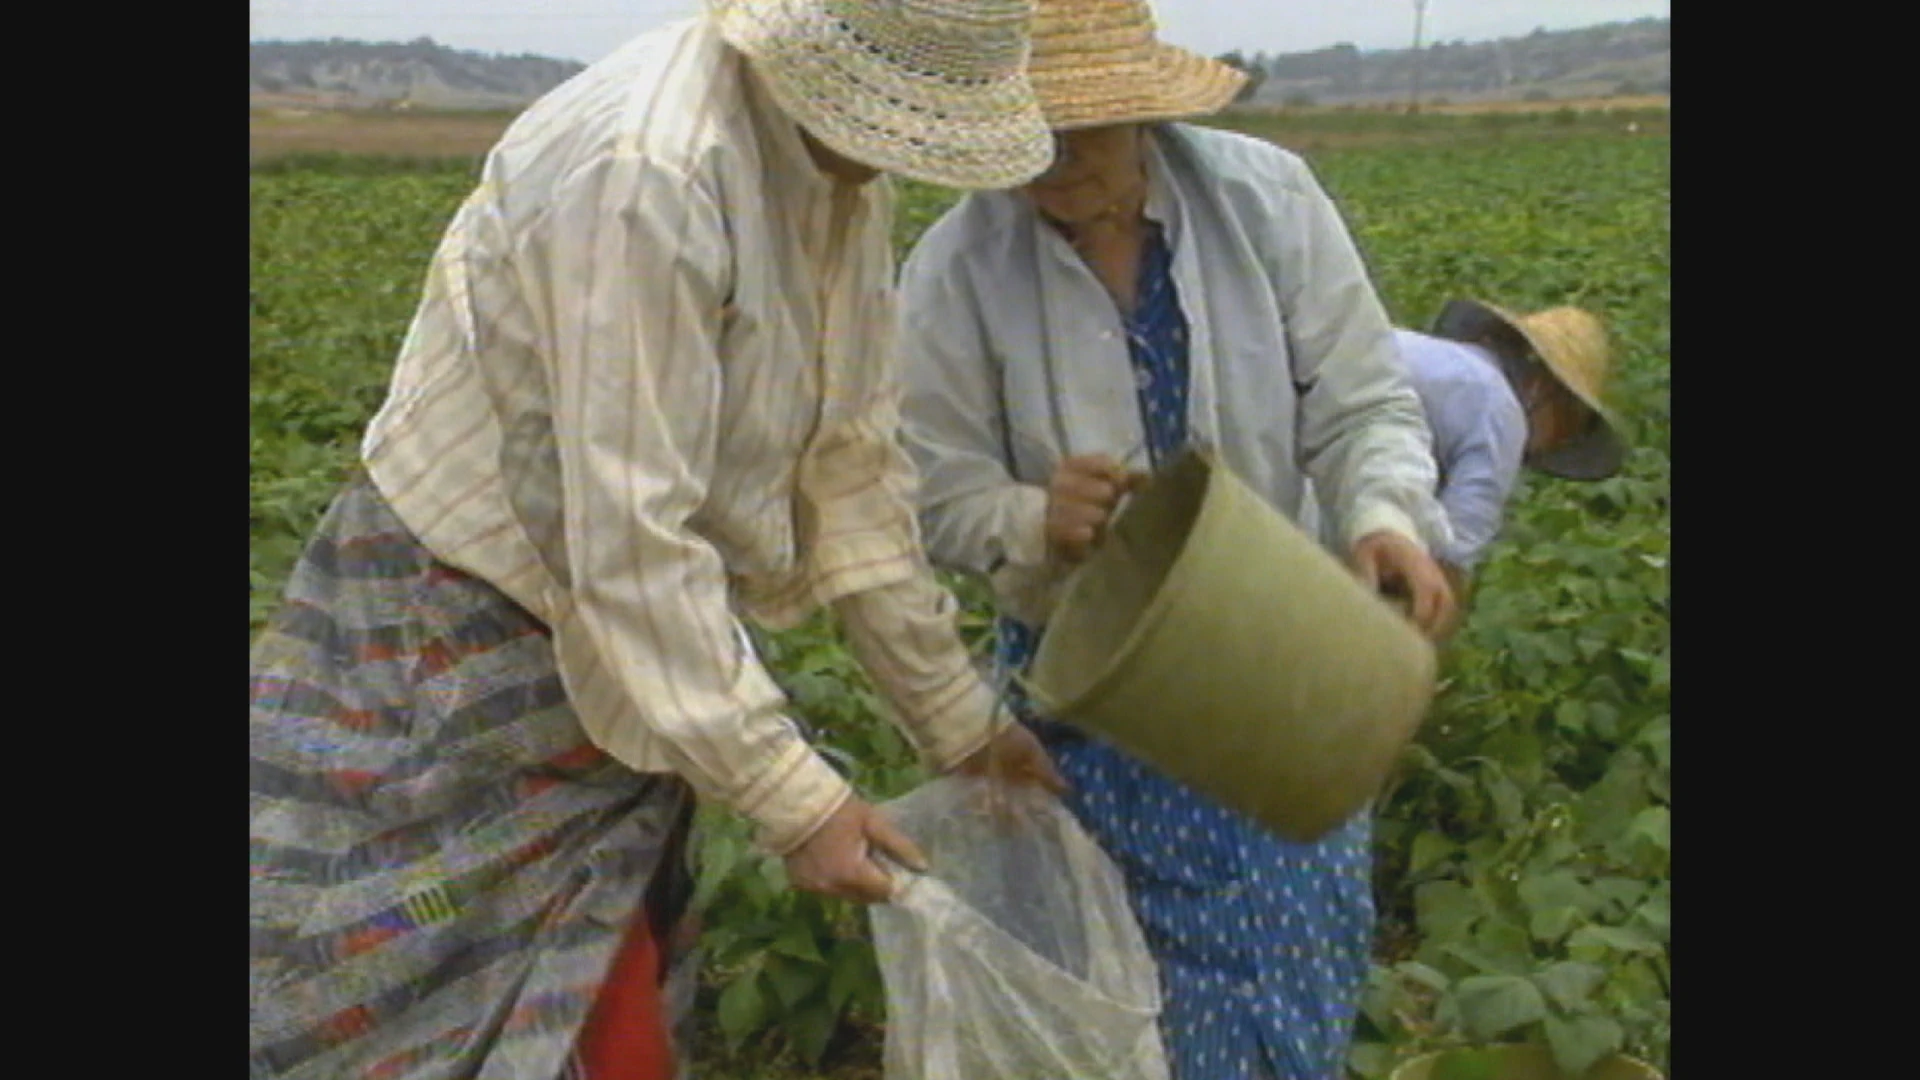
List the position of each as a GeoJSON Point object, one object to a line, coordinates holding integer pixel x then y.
{"type": "Point", "coordinates": [442, 865]}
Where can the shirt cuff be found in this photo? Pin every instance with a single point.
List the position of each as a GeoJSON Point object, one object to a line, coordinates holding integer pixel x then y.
{"type": "Point", "coordinates": [1377, 516]}
{"type": "Point", "coordinates": [800, 792]}
{"type": "Point", "coordinates": [961, 727]}
{"type": "Point", "coordinates": [1026, 581]}
{"type": "Point", "coordinates": [1027, 528]}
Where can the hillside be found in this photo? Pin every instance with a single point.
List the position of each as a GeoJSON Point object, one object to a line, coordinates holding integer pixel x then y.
{"type": "Point", "coordinates": [418, 73]}
{"type": "Point", "coordinates": [1615, 58]}
{"type": "Point", "coordinates": [1597, 61]}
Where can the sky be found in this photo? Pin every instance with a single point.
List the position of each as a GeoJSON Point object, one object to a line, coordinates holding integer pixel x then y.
{"type": "Point", "coordinates": [586, 30]}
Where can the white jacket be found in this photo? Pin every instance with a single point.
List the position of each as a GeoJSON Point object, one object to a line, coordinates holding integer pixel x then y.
{"type": "Point", "coordinates": [1015, 358]}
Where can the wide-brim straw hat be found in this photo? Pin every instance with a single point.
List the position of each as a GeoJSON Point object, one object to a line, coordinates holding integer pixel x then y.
{"type": "Point", "coordinates": [933, 90]}
{"type": "Point", "coordinates": [1097, 63]}
{"type": "Point", "coordinates": [1572, 345]}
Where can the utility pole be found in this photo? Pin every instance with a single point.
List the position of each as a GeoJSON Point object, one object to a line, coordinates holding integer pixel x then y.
{"type": "Point", "coordinates": [1419, 18]}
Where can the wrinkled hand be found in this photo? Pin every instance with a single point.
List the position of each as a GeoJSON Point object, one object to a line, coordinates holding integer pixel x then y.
{"type": "Point", "coordinates": [1014, 757]}
{"type": "Point", "coordinates": [1080, 498]}
{"type": "Point", "coordinates": [1388, 562]}
{"type": "Point", "coordinates": [837, 859]}
{"type": "Point", "coordinates": [1458, 583]}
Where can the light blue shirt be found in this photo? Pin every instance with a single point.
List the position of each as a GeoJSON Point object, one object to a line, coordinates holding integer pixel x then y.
{"type": "Point", "coordinates": [1479, 437]}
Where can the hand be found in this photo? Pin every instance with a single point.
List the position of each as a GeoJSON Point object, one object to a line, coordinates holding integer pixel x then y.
{"type": "Point", "coordinates": [1014, 757]}
{"type": "Point", "coordinates": [1389, 562]}
{"type": "Point", "coordinates": [1458, 583]}
{"type": "Point", "coordinates": [837, 861]}
{"type": "Point", "coordinates": [1080, 498]}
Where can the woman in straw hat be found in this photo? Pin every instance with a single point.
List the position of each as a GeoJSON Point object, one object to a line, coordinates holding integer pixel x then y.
{"type": "Point", "coordinates": [647, 393]}
{"type": "Point", "coordinates": [1501, 392]}
{"type": "Point", "coordinates": [1166, 284]}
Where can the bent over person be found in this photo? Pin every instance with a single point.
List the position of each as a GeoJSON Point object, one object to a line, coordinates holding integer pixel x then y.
{"type": "Point", "coordinates": [649, 390]}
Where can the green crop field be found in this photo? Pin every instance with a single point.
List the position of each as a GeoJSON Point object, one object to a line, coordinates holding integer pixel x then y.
{"type": "Point", "coordinates": [1523, 854]}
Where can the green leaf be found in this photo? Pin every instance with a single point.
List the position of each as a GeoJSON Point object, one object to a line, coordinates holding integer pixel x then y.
{"type": "Point", "coordinates": [794, 982]}
{"type": "Point", "coordinates": [718, 857]}
{"type": "Point", "coordinates": [1371, 1060]}
{"type": "Point", "coordinates": [1422, 974]}
{"type": "Point", "coordinates": [741, 1010]}
{"type": "Point", "coordinates": [1492, 1005]}
{"type": "Point", "coordinates": [1657, 737]}
{"type": "Point", "coordinates": [1555, 889]}
{"type": "Point", "coordinates": [1655, 825]}
{"type": "Point", "coordinates": [811, 1029]}
{"type": "Point", "coordinates": [1430, 848]}
{"type": "Point", "coordinates": [1466, 1064]}
{"type": "Point", "coordinates": [1552, 924]}
{"type": "Point", "coordinates": [1445, 909]}
{"type": "Point", "coordinates": [797, 941]}
{"type": "Point", "coordinates": [1619, 892]}
{"type": "Point", "coordinates": [1604, 719]}
{"type": "Point", "coordinates": [1606, 809]}
{"type": "Point", "coordinates": [1582, 1040]}
{"type": "Point", "coordinates": [1509, 803]}
{"type": "Point", "coordinates": [774, 873]}
{"type": "Point", "coordinates": [1657, 914]}
{"type": "Point", "coordinates": [1569, 983]}
{"type": "Point", "coordinates": [852, 967]}
{"type": "Point", "coordinates": [1507, 946]}
{"type": "Point", "coordinates": [1614, 939]}
{"type": "Point", "coordinates": [1471, 955]}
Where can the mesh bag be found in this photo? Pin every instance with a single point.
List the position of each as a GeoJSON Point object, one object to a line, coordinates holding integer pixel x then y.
{"type": "Point", "coordinates": [1016, 957]}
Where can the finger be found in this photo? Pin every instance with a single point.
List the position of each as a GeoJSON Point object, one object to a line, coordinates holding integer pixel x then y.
{"type": "Point", "coordinates": [1088, 491]}
{"type": "Point", "coordinates": [1081, 470]}
{"type": "Point", "coordinates": [1448, 610]}
{"type": "Point", "coordinates": [1031, 764]}
{"type": "Point", "coordinates": [1365, 566]}
{"type": "Point", "coordinates": [1101, 465]}
{"type": "Point", "coordinates": [868, 883]}
{"type": "Point", "coordinates": [1111, 472]}
{"type": "Point", "coordinates": [1426, 606]}
{"type": "Point", "coordinates": [895, 844]}
{"type": "Point", "coordinates": [1041, 769]}
{"type": "Point", "coordinates": [1086, 514]}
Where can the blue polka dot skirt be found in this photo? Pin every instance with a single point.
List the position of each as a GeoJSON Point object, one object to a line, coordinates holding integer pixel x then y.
{"type": "Point", "coordinates": [1262, 944]}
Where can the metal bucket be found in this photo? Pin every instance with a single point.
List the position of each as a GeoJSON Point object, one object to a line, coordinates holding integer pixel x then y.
{"type": "Point", "coordinates": [1211, 637]}
{"type": "Point", "coordinates": [1516, 1062]}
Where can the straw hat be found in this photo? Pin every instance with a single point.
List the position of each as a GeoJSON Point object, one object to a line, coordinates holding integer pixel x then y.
{"type": "Point", "coordinates": [934, 90]}
{"type": "Point", "coordinates": [1096, 62]}
{"type": "Point", "coordinates": [1572, 345]}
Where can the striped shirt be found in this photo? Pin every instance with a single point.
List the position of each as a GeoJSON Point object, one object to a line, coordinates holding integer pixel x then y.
{"type": "Point", "coordinates": [650, 388]}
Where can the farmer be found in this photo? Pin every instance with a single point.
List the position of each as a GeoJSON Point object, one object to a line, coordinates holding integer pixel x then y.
{"type": "Point", "coordinates": [1502, 391]}
{"type": "Point", "coordinates": [1165, 285]}
{"type": "Point", "coordinates": [649, 390]}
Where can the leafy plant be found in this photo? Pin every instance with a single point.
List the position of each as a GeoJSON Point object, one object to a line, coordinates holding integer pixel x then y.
{"type": "Point", "coordinates": [1524, 854]}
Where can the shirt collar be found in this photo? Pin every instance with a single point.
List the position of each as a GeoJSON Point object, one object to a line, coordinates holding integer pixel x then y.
{"type": "Point", "coordinates": [1163, 204]}
{"type": "Point", "coordinates": [780, 135]}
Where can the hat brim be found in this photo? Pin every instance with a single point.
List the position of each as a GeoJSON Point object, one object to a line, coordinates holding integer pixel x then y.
{"type": "Point", "coordinates": [1470, 320]}
{"type": "Point", "coordinates": [1181, 85]}
{"type": "Point", "coordinates": [989, 136]}
{"type": "Point", "coordinates": [1595, 455]}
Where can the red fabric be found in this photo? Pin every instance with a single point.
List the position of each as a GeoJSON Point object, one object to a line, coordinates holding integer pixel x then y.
{"type": "Point", "coordinates": [626, 1036]}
